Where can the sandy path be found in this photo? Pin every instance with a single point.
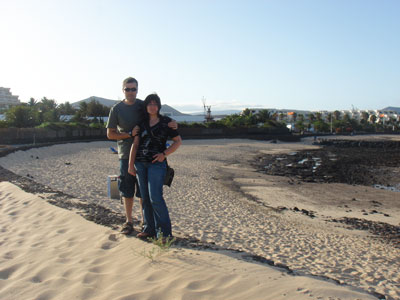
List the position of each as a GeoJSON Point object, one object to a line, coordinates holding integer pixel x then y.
{"type": "Point", "coordinates": [205, 203]}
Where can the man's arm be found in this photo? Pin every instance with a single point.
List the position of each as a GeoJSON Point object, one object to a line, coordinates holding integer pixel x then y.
{"type": "Point", "coordinates": [113, 134]}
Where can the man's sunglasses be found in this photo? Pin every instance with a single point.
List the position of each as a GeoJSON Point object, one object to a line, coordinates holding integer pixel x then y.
{"type": "Point", "coordinates": [130, 89]}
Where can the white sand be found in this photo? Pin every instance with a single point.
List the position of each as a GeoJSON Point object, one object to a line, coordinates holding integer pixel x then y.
{"type": "Point", "coordinates": [50, 253]}
{"type": "Point", "coordinates": [203, 203]}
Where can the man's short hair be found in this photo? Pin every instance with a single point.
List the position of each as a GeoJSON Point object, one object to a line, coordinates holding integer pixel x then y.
{"type": "Point", "coordinates": [130, 80]}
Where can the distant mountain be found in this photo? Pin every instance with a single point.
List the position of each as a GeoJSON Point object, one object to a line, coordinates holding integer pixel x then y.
{"type": "Point", "coordinates": [165, 109]}
{"type": "Point", "coordinates": [103, 101]}
{"type": "Point", "coordinates": [218, 112]}
{"type": "Point", "coordinates": [170, 111]}
{"type": "Point", "coordinates": [392, 108]}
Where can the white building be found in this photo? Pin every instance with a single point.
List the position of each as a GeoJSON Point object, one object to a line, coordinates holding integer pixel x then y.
{"type": "Point", "coordinates": [7, 99]}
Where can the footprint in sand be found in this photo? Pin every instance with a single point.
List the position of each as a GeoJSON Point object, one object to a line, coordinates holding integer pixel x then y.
{"type": "Point", "coordinates": [7, 272]}
{"type": "Point", "coordinates": [61, 231]}
{"type": "Point", "coordinates": [113, 238]}
{"type": "Point", "coordinates": [9, 255]}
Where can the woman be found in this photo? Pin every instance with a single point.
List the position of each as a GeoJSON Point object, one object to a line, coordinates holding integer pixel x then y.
{"type": "Point", "coordinates": [147, 160]}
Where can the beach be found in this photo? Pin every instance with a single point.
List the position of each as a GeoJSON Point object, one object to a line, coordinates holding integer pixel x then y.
{"type": "Point", "coordinates": [217, 199]}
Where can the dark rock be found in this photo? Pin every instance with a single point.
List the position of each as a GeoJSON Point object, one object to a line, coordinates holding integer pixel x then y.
{"type": "Point", "coordinates": [388, 232]}
{"type": "Point", "coordinates": [341, 161]}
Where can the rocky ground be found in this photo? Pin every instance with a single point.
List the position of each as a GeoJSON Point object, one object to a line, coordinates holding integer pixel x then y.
{"type": "Point", "coordinates": [369, 163]}
{"type": "Point", "coordinates": [363, 163]}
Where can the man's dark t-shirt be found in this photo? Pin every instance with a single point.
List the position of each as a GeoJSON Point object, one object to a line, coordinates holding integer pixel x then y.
{"type": "Point", "coordinates": [124, 118]}
{"type": "Point", "coordinates": [154, 142]}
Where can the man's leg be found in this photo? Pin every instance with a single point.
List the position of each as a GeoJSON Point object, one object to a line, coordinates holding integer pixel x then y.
{"type": "Point", "coordinates": [126, 184]}
{"type": "Point", "coordinates": [128, 204]}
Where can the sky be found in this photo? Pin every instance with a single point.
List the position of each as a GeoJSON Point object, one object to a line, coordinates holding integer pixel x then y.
{"type": "Point", "coordinates": [283, 54]}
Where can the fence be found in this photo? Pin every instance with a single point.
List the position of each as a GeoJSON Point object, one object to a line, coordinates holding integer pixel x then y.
{"type": "Point", "coordinates": [10, 136]}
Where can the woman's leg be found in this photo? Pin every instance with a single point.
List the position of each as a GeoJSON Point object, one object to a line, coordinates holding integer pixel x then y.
{"type": "Point", "coordinates": [156, 174]}
{"type": "Point", "coordinates": [142, 169]}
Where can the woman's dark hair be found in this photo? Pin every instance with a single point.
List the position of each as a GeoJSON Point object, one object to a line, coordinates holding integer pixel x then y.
{"type": "Point", "coordinates": [150, 98]}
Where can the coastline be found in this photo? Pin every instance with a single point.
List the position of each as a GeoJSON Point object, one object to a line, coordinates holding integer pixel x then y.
{"type": "Point", "coordinates": [227, 204]}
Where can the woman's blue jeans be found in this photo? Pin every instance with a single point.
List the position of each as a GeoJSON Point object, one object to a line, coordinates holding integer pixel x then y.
{"type": "Point", "coordinates": [155, 211]}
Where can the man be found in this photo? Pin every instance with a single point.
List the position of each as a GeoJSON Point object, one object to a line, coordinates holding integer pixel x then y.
{"type": "Point", "coordinates": [123, 118]}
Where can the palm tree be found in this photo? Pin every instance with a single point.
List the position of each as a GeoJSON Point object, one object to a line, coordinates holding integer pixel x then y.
{"type": "Point", "coordinates": [264, 115]}
{"type": "Point", "coordinates": [336, 115]}
{"type": "Point", "coordinates": [364, 116]}
{"type": "Point", "coordinates": [346, 118]}
{"type": "Point", "coordinates": [83, 109]}
{"type": "Point", "coordinates": [32, 102]}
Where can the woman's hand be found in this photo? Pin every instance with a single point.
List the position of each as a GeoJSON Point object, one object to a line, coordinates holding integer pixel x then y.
{"type": "Point", "coordinates": [160, 157]}
{"type": "Point", "coordinates": [173, 125]}
{"type": "Point", "coordinates": [132, 171]}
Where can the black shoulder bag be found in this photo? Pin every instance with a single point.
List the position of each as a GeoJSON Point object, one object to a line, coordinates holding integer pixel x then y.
{"type": "Point", "coordinates": [169, 174]}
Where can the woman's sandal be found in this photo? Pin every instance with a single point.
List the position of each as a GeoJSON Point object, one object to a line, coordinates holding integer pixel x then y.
{"type": "Point", "coordinates": [127, 228]}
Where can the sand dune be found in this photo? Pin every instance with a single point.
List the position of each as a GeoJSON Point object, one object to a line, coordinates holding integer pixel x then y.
{"type": "Point", "coordinates": [50, 253]}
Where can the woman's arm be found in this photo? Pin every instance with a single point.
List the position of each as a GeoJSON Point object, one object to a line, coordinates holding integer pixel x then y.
{"type": "Point", "coordinates": [177, 141]}
{"type": "Point", "coordinates": [132, 156]}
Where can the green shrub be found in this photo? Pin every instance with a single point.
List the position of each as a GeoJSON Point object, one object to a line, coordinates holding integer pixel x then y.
{"type": "Point", "coordinates": [3, 124]}
{"type": "Point", "coordinates": [51, 125]}
{"type": "Point", "coordinates": [217, 124]}
{"type": "Point", "coordinates": [78, 125]}
{"type": "Point", "coordinates": [96, 125]}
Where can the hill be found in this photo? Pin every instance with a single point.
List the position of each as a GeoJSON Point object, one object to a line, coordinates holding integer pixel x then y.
{"type": "Point", "coordinates": [392, 108]}
{"type": "Point", "coordinates": [165, 109]}
{"type": "Point", "coordinates": [170, 111]}
{"type": "Point", "coordinates": [103, 101]}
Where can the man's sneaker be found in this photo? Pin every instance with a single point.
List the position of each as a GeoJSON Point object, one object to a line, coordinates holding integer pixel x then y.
{"type": "Point", "coordinates": [127, 228]}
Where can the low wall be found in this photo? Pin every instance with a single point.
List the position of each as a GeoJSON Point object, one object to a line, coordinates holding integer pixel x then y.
{"type": "Point", "coordinates": [244, 133]}
{"type": "Point", "coordinates": [15, 136]}
{"type": "Point", "coordinates": [42, 135]}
